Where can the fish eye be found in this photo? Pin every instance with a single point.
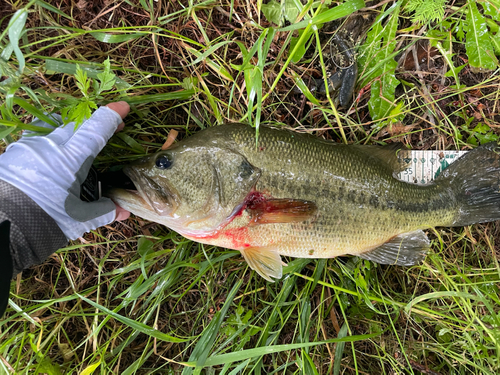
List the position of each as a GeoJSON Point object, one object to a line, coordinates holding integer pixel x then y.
{"type": "Point", "coordinates": [163, 162]}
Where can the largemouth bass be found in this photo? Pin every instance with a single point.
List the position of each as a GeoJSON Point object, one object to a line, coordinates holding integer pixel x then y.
{"type": "Point", "coordinates": [300, 196]}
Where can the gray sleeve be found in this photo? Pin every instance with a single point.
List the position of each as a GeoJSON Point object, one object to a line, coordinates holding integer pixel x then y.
{"type": "Point", "coordinates": [34, 235]}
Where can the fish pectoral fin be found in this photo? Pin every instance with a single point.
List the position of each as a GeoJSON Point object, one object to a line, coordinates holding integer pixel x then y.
{"type": "Point", "coordinates": [265, 261]}
{"type": "Point", "coordinates": [406, 249]}
{"type": "Point", "coordinates": [272, 211]}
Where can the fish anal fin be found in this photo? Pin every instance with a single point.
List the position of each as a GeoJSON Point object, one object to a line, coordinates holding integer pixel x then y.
{"type": "Point", "coordinates": [406, 249]}
{"type": "Point", "coordinates": [265, 261]}
{"type": "Point", "coordinates": [269, 211]}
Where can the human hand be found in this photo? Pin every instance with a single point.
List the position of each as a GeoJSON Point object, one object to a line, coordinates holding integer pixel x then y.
{"type": "Point", "coordinates": [50, 170]}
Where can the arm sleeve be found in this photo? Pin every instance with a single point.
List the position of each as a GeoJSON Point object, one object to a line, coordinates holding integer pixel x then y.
{"type": "Point", "coordinates": [5, 265]}
{"type": "Point", "coordinates": [28, 235]}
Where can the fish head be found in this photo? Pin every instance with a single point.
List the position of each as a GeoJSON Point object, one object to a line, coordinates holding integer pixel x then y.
{"type": "Point", "coordinates": [192, 188]}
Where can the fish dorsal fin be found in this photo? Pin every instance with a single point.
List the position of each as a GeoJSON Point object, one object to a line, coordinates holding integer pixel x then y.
{"type": "Point", "coordinates": [387, 154]}
{"type": "Point", "coordinates": [265, 261]}
{"type": "Point", "coordinates": [272, 211]}
{"type": "Point", "coordinates": [406, 249]}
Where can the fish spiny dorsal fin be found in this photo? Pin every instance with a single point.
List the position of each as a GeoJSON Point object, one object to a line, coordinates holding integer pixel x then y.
{"type": "Point", "coordinates": [387, 154]}
{"type": "Point", "coordinates": [265, 261]}
{"type": "Point", "coordinates": [406, 249]}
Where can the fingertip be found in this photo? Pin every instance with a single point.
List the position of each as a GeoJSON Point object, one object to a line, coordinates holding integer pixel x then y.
{"type": "Point", "coordinates": [120, 127]}
{"type": "Point", "coordinates": [121, 107]}
{"type": "Point", "coordinates": [121, 213]}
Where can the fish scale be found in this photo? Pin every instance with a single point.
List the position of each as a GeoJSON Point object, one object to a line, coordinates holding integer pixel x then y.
{"type": "Point", "coordinates": [296, 195]}
{"type": "Point", "coordinates": [343, 189]}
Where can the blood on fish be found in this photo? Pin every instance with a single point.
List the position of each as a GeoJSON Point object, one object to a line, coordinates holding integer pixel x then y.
{"type": "Point", "coordinates": [238, 236]}
{"type": "Point", "coordinates": [253, 200]}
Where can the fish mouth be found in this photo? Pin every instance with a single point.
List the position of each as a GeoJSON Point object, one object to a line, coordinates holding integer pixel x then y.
{"type": "Point", "coordinates": [161, 199]}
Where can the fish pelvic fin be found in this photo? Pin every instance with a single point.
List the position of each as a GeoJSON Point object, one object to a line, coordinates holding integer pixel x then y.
{"type": "Point", "coordinates": [406, 249]}
{"type": "Point", "coordinates": [265, 261]}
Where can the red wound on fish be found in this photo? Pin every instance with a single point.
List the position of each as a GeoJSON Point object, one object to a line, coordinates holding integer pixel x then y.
{"type": "Point", "coordinates": [265, 210]}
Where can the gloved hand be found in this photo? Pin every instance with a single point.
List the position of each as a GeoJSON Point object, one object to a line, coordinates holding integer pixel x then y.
{"type": "Point", "coordinates": [50, 169]}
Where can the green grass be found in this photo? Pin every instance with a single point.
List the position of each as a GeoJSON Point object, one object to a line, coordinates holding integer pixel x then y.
{"type": "Point", "coordinates": [135, 298]}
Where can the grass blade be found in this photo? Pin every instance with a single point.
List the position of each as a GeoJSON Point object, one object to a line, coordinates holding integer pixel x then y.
{"type": "Point", "coordinates": [339, 350]}
{"type": "Point", "coordinates": [261, 351]}
{"type": "Point", "coordinates": [199, 357]}
{"type": "Point", "coordinates": [141, 327]}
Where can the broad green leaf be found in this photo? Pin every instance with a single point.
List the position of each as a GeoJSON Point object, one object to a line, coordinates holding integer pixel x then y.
{"type": "Point", "coordinates": [106, 78]}
{"type": "Point", "coordinates": [16, 28]}
{"type": "Point", "coordinates": [80, 113]}
{"type": "Point", "coordinates": [46, 366]}
{"type": "Point", "coordinates": [300, 42]}
{"type": "Point", "coordinates": [290, 10]}
{"type": "Point", "coordinates": [272, 11]}
{"type": "Point", "coordinates": [144, 246]}
{"type": "Point", "coordinates": [377, 57]}
{"type": "Point", "coordinates": [491, 8]}
{"type": "Point", "coordinates": [335, 13]}
{"type": "Point", "coordinates": [89, 370]}
{"type": "Point", "coordinates": [81, 80]}
{"type": "Point", "coordinates": [5, 55]}
{"type": "Point", "coordinates": [454, 70]}
{"type": "Point", "coordinates": [189, 83]}
{"type": "Point", "coordinates": [477, 41]}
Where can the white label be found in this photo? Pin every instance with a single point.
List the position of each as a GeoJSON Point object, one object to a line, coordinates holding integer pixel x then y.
{"type": "Point", "coordinates": [425, 166]}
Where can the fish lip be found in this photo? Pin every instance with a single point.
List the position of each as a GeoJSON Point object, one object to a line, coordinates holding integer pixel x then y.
{"type": "Point", "coordinates": [163, 210]}
{"type": "Point", "coordinates": [133, 175]}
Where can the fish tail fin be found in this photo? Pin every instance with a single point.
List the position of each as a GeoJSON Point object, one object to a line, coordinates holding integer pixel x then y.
{"type": "Point", "coordinates": [475, 182]}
